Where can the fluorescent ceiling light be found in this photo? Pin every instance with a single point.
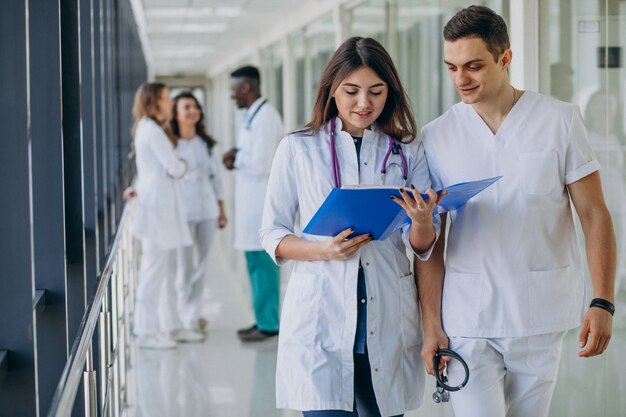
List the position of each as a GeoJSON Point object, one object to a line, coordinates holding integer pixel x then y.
{"type": "Point", "coordinates": [190, 28]}
{"type": "Point", "coordinates": [161, 53]}
{"type": "Point", "coordinates": [226, 11]}
{"type": "Point", "coordinates": [418, 11]}
{"type": "Point", "coordinates": [174, 12]}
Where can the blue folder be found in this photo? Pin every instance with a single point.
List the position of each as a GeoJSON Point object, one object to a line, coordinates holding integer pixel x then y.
{"type": "Point", "coordinates": [369, 209]}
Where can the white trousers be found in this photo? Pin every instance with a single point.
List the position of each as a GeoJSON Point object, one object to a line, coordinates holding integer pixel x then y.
{"type": "Point", "coordinates": [155, 300]}
{"type": "Point", "coordinates": [190, 276]}
{"type": "Point", "coordinates": [512, 377]}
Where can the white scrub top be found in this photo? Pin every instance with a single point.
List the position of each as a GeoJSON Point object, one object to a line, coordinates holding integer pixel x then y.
{"type": "Point", "coordinates": [160, 215]}
{"type": "Point", "coordinates": [202, 186]}
{"type": "Point", "coordinates": [315, 367]}
{"type": "Point", "coordinates": [512, 260]}
{"type": "Point", "coordinates": [257, 140]}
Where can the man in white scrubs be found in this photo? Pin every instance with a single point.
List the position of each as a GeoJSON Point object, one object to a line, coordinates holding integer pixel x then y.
{"type": "Point", "coordinates": [512, 283]}
{"type": "Point", "coordinates": [259, 132]}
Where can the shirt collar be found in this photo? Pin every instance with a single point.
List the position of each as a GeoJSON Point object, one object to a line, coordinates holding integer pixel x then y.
{"type": "Point", "coordinates": [255, 105]}
{"type": "Point", "coordinates": [339, 126]}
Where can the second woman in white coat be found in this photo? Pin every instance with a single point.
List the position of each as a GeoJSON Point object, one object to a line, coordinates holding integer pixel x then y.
{"type": "Point", "coordinates": [203, 194]}
{"type": "Point", "coordinates": [159, 220]}
{"type": "Point", "coordinates": [350, 327]}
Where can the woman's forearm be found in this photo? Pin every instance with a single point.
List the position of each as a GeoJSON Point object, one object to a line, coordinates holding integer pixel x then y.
{"type": "Point", "coordinates": [297, 249]}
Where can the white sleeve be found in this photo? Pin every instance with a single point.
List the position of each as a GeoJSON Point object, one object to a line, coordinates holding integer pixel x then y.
{"type": "Point", "coordinates": [164, 151]}
{"type": "Point", "coordinates": [420, 178]}
{"type": "Point", "coordinates": [257, 160]}
{"type": "Point", "coordinates": [580, 160]}
{"type": "Point", "coordinates": [281, 201]}
{"type": "Point", "coordinates": [217, 171]}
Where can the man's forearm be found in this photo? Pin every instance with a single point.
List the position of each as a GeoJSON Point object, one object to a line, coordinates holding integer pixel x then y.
{"type": "Point", "coordinates": [601, 252]}
{"type": "Point", "coordinates": [429, 280]}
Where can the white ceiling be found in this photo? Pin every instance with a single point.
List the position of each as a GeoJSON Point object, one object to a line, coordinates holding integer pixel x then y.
{"type": "Point", "coordinates": [187, 37]}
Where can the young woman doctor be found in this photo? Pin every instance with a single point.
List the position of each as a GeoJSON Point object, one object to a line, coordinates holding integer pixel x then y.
{"type": "Point", "coordinates": [350, 328]}
{"type": "Point", "coordinates": [203, 193]}
{"type": "Point", "coordinates": [159, 220]}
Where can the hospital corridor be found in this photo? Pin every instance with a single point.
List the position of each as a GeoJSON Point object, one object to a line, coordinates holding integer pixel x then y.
{"type": "Point", "coordinates": [162, 160]}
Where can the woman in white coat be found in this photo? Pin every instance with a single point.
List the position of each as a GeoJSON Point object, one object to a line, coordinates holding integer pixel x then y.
{"type": "Point", "coordinates": [159, 220]}
{"type": "Point", "coordinates": [350, 337]}
{"type": "Point", "coordinates": [203, 194]}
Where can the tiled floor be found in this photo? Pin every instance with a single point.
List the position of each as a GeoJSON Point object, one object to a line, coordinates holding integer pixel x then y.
{"type": "Point", "coordinates": [225, 378]}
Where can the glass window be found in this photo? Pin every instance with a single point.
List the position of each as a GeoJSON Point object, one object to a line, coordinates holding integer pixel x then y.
{"type": "Point", "coordinates": [272, 75]}
{"type": "Point", "coordinates": [581, 47]}
{"type": "Point", "coordinates": [311, 50]}
{"type": "Point", "coordinates": [367, 19]}
{"type": "Point", "coordinates": [299, 62]}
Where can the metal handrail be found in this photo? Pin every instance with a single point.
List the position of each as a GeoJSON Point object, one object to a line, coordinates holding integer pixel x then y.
{"type": "Point", "coordinates": [65, 394]}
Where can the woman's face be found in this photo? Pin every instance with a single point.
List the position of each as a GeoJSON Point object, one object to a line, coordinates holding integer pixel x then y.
{"type": "Point", "coordinates": [165, 105]}
{"type": "Point", "coordinates": [360, 98]}
{"type": "Point", "coordinates": [187, 112]}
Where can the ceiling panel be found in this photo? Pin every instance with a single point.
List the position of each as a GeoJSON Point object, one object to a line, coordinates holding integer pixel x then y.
{"type": "Point", "coordinates": [189, 35]}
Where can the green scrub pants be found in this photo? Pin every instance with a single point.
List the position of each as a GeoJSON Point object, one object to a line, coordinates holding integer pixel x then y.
{"type": "Point", "coordinates": [265, 288]}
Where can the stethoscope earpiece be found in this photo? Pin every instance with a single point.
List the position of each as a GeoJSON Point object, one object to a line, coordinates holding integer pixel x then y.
{"type": "Point", "coordinates": [442, 393]}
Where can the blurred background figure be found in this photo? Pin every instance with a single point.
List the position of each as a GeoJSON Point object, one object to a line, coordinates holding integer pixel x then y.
{"type": "Point", "coordinates": [562, 81]}
{"type": "Point", "coordinates": [606, 135]}
{"type": "Point", "coordinates": [203, 194]}
{"type": "Point", "coordinates": [159, 221]}
{"type": "Point", "coordinates": [258, 135]}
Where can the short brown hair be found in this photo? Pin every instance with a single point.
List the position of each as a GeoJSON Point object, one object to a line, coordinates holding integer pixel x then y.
{"type": "Point", "coordinates": [396, 119]}
{"type": "Point", "coordinates": [479, 22]}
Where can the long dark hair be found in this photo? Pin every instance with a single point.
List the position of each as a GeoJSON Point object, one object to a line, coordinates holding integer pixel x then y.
{"type": "Point", "coordinates": [200, 128]}
{"type": "Point", "coordinates": [396, 119]}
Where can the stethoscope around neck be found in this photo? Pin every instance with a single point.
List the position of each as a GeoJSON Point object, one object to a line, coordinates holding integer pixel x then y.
{"type": "Point", "coordinates": [394, 147]}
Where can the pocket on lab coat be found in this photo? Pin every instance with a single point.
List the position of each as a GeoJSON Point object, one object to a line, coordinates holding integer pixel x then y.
{"type": "Point", "coordinates": [461, 299]}
{"type": "Point", "coordinates": [540, 171]}
{"type": "Point", "coordinates": [550, 296]}
{"type": "Point", "coordinates": [410, 312]}
{"type": "Point", "coordinates": [301, 309]}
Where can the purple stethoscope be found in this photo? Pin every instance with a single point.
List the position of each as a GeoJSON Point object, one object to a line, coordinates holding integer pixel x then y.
{"type": "Point", "coordinates": [394, 147]}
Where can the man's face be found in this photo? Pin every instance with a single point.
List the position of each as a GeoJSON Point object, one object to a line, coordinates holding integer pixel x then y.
{"type": "Point", "coordinates": [239, 90]}
{"type": "Point", "coordinates": [473, 71]}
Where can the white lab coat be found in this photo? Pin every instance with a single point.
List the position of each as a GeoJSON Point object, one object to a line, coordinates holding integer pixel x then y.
{"type": "Point", "coordinates": [512, 263]}
{"type": "Point", "coordinates": [160, 215]}
{"type": "Point", "coordinates": [202, 186]}
{"type": "Point", "coordinates": [315, 367]}
{"type": "Point", "coordinates": [256, 144]}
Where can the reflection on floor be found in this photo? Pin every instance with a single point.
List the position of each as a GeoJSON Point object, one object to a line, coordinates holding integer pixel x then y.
{"type": "Point", "coordinates": [225, 378]}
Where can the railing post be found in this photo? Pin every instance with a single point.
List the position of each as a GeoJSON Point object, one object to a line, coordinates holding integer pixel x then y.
{"type": "Point", "coordinates": [105, 352]}
{"type": "Point", "coordinates": [110, 313]}
{"type": "Point", "coordinates": [90, 386]}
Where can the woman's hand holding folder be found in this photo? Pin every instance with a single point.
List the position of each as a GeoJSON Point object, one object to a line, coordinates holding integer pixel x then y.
{"type": "Point", "coordinates": [343, 246]}
{"type": "Point", "coordinates": [419, 209]}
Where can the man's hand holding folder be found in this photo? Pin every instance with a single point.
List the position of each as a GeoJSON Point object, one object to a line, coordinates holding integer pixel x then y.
{"type": "Point", "coordinates": [369, 209]}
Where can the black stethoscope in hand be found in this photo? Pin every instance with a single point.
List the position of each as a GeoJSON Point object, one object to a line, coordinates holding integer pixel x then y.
{"type": "Point", "coordinates": [442, 394]}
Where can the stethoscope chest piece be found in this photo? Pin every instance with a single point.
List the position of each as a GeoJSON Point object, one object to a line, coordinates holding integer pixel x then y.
{"type": "Point", "coordinates": [442, 392]}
